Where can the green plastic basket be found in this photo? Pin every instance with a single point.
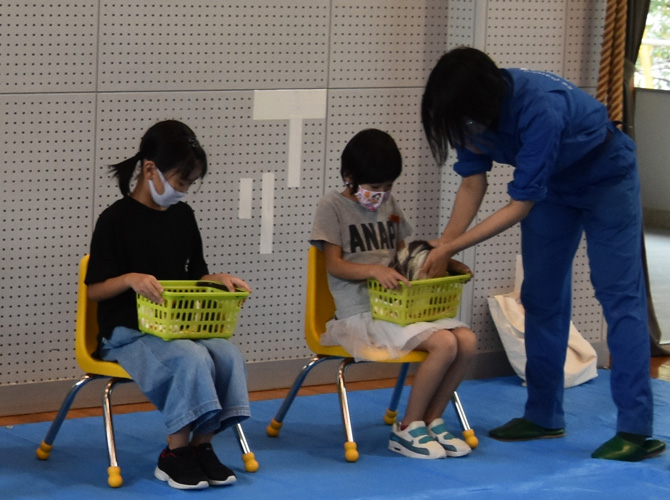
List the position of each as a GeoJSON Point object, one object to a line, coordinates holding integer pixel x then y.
{"type": "Point", "coordinates": [191, 310]}
{"type": "Point", "coordinates": [424, 300]}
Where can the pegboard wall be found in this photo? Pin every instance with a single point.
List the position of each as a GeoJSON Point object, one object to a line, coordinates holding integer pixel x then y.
{"type": "Point", "coordinates": [274, 89]}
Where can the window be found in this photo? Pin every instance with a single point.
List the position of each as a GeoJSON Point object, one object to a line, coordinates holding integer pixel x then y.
{"type": "Point", "coordinates": [652, 70]}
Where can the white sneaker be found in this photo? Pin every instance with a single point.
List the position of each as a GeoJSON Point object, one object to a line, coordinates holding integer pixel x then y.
{"type": "Point", "coordinates": [453, 446]}
{"type": "Point", "coordinates": [415, 442]}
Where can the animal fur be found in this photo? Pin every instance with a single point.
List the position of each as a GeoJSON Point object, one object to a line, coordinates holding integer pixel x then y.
{"type": "Point", "coordinates": [410, 259]}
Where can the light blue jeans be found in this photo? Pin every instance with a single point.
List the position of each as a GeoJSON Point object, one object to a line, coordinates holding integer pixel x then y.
{"type": "Point", "coordinates": [201, 383]}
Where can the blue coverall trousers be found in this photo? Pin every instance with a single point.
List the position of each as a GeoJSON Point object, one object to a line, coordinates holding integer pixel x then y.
{"type": "Point", "coordinates": [606, 208]}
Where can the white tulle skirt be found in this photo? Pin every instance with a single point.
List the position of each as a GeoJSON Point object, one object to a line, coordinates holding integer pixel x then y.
{"type": "Point", "coordinates": [368, 339]}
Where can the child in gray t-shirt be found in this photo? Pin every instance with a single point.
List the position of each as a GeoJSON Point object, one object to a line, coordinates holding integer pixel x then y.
{"type": "Point", "coordinates": [360, 231]}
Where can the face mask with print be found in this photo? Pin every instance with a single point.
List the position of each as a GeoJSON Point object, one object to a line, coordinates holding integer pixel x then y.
{"type": "Point", "coordinates": [371, 200]}
{"type": "Point", "coordinates": [170, 195]}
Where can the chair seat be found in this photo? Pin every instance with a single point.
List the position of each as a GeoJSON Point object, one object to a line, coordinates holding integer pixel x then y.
{"type": "Point", "coordinates": [340, 352]}
{"type": "Point", "coordinates": [103, 368]}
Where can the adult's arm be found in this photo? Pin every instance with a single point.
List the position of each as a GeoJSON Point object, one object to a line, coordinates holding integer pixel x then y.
{"type": "Point", "coordinates": [456, 237]}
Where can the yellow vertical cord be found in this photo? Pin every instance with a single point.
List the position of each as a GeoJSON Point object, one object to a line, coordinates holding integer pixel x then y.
{"type": "Point", "coordinates": [610, 75]}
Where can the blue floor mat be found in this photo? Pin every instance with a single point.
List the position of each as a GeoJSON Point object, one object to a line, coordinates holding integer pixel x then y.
{"type": "Point", "coordinates": [307, 459]}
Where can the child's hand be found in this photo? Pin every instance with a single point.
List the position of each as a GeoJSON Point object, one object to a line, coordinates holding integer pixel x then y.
{"type": "Point", "coordinates": [229, 281]}
{"type": "Point", "coordinates": [388, 277]}
{"type": "Point", "coordinates": [147, 286]}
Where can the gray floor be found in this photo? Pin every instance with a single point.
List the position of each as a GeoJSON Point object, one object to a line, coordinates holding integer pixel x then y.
{"type": "Point", "coordinates": [657, 242]}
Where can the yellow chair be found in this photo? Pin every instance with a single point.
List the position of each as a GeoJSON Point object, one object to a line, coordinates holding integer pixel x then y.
{"type": "Point", "coordinates": [319, 309]}
{"type": "Point", "coordinates": [86, 343]}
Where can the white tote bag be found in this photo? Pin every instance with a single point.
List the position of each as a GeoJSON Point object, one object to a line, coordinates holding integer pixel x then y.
{"type": "Point", "coordinates": [508, 315]}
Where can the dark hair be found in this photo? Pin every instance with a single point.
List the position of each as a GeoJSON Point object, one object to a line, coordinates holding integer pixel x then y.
{"type": "Point", "coordinates": [170, 144]}
{"type": "Point", "coordinates": [371, 156]}
{"type": "Point", "coordinates": [464, 85]}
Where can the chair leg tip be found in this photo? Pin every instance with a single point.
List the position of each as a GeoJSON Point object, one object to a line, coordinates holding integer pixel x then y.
{"type": "Point", "coordinates": [350, 451]}
{"type": "Point", "coordinates": [250, 462]}
{"type": "Point", "coordinates": [44, 451]}
{"type": "Point", "coordinates": [114, 478]}
{"type": "Point", "coordinates": [470, 438]}
{"type": "Point", "coordinates": [272, 430]}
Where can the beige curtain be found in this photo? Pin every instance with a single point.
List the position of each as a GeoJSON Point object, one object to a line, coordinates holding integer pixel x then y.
{"type": "Point", "coordinates": [624, 26]}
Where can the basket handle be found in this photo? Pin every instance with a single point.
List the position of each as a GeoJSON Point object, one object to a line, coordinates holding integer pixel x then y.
{"type": "Point", "coordinates": [212, 284]}
{"type": "Point", "coordinates": [217, 285]}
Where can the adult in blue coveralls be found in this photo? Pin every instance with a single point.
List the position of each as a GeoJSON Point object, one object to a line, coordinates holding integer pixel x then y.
{"type": "Point", "coordinates": [575, 172]}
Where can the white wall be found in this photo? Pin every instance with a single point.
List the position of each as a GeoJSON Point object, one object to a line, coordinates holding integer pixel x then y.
{"type": "Point", "coordinates": [652, 134]}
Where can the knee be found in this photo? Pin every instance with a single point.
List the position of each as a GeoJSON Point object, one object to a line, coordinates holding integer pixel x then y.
{"type": "Point", "coordinates": [466, 341]}
{"type": "Point", "coordinates": [225, 353]}
{"type": "Point", "coordinates": [443, 344]}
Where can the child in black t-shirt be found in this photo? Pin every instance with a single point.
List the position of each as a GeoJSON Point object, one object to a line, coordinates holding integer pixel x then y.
{"type": "Point", "coordinates": [199, 386]}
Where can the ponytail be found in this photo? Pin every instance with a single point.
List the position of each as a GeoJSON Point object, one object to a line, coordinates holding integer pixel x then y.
{"type": "Point", "coordinates": [170, 144]}
{"type": "Point", "coordinates": [123, 172]}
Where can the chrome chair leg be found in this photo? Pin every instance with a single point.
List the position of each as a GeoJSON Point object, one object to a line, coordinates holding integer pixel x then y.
{"type": "Point", "coordinates": [350, 448]}
{"type": "Point", "coordinates": [114, 478]}
{"type": "Point", "coordinates": [248, 457]}
{"type": "Point", "coordinates": [468, 432]}
{"type": "Point", "coordinates": [460, 412]}
{"type": "Point", "coordinates": [46, 446]}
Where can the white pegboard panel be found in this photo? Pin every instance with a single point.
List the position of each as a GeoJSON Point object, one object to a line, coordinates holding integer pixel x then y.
{"type": "Point", "coordinates": [384, 43]}
{"type": "Point", "coordinates": [47, 144]}
{"type": "Point", "coordinates": [529, 34]}
{"type": "Point", "coordinates": [462, 23]}
{"type": "Point", "coordinates": [395, 111]}
{"type": "Point", "coordinates": [238, 147]}
{"type": "Point", "coordinates": [48, 46]}
{"type": "Point", "coordinates": [127, 65]}
{"type": "Point", "coordinates": [584, 37]}
{"type": "Point", "coordinates": [213, 45]}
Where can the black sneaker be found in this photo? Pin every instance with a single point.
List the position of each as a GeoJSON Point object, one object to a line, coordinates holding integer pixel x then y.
{"type": "Point", "coordinates": [217, 473]}
{"type": "Point", "coordinates": [180, 469]}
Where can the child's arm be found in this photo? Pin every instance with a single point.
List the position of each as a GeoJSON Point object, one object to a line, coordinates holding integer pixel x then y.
{"type": "Point", "coordinates": [343, 269]}
{"type": "Point", "coordinates": [144, 284]}
{"type": "Point", "coordinates": [230, 282]}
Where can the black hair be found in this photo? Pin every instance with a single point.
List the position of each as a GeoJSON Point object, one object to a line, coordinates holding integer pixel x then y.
{"type": "Point", "coordinates": [464, 85]}
{"type": "Point", "coordinates": [171, 145]}
{"type": "Point", "coordinates": [370, 157]}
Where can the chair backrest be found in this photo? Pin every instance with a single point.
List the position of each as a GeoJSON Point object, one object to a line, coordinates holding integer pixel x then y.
{"type": "Point", "coordinates": [86, 335]}
{"type": "Point", "coordinates": [319, 304]}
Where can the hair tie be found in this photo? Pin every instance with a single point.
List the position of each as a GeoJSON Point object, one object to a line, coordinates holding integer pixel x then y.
{"type": "Point", "coordinates": [193, 142]}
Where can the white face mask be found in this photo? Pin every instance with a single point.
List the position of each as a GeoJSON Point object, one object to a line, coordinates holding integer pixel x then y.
{"type": "Point", "coordinates": [170, 195]}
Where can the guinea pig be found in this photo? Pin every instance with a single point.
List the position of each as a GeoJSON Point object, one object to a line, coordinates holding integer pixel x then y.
{"type": "Point", "coordinates": [410, 259]}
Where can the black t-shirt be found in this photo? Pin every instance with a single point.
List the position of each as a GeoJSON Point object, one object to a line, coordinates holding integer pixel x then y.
{"type": "Point", "coordinates": [131, 237]}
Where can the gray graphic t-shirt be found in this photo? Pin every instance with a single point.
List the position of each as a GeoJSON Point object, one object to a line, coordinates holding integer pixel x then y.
{"type": "Point", "coordinates": [365, 237]}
